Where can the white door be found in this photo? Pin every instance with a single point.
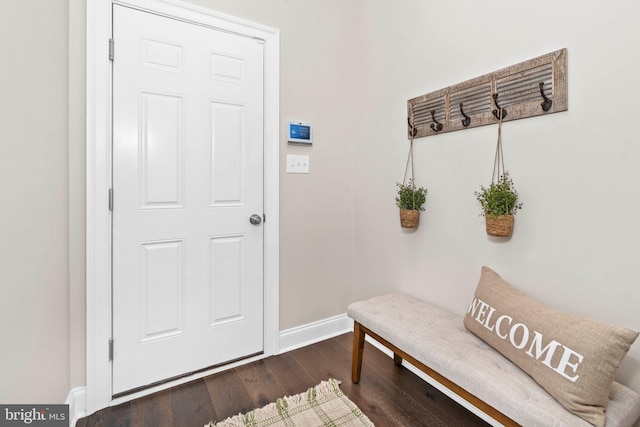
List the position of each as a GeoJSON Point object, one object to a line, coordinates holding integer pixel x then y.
{"type": "Point", "coordinates": [187, 177]}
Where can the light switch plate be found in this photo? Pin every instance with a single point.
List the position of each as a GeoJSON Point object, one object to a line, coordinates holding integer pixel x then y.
{"type": "Point", "coordinates": [297, 164]}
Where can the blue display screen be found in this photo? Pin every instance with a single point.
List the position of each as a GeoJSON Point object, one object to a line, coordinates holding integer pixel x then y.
{"type": "Point", "coordinates": [299, 131]}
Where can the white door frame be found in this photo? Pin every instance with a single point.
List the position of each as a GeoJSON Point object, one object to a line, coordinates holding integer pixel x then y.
{"type": "Point", "coordinates": [99, 122]}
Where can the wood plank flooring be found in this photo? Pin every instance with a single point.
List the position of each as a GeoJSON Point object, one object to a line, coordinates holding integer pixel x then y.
{"type": "Point", "coordinates": [390, 396]}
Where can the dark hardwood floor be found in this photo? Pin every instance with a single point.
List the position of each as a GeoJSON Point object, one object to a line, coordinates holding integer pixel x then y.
{"type": "Point", "coordinates": [390, 396]}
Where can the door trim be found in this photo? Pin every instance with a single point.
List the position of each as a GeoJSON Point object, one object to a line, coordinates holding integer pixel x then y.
{"type": "Point", "coordinates": [98, 170]}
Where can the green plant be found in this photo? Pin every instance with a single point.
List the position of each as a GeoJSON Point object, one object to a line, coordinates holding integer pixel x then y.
{"type": "Point", "coordinates": [500, 198]}
{"type": "Point", "coordinates": [410, 197]}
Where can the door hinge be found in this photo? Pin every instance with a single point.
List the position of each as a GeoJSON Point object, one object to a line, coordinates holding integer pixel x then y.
{"type": "Point", "coordinates": [110, 349]}
{"type": "Point", "coordinates": [111, 49]}
{"type": "Point", "coordinates": [111, 199]}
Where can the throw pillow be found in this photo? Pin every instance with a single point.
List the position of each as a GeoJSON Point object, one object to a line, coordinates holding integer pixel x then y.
{"type": "Point", "coordinates": [572, 357]}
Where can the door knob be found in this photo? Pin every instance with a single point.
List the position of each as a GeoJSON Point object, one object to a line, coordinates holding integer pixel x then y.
{"type": "Point", "coordinates": [255, 219]}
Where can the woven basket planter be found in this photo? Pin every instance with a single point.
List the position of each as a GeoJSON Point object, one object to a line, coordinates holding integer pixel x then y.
{"type": "Point", "coordinates": [409, 218]}
{"type": "Point", "coordinates": [500, 226]}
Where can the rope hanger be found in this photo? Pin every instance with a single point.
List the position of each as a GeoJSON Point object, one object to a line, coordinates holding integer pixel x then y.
{"type": "Point", "coordinates": [498, 162]}
{"type": "Point", "coordinates": [412, 133]}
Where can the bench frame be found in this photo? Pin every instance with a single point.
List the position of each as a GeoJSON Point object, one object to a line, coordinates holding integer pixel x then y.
{"type": "Point", "coordinates": [359, 334]}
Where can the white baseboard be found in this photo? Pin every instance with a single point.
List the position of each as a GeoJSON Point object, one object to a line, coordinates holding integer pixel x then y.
{"type": "Point", "coordinates": [77, 401]}
{"type": "Point", "coordinates": [311, 333]}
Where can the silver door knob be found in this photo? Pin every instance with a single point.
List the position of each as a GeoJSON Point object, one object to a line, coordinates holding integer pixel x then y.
{"type": "Point", "coordinates": [255, 219]}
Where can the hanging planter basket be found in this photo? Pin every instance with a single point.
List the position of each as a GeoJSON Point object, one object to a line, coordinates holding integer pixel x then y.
{"type": "Point", "coordinates": [500, 200]}
{"type": "Point", "coordinates": [409, 218]}
{"type": "Point", "coordinates": [410, 199]}
{"type": "Point", "coordinates": [499, 226]}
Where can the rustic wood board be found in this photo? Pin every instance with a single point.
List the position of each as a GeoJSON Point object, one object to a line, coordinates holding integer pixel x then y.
{"type": "Point", "coordinates": [516, 89]}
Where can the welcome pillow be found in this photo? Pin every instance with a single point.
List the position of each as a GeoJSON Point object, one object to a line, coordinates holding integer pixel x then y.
{"type": "Point", "coordinates": [572, 357]}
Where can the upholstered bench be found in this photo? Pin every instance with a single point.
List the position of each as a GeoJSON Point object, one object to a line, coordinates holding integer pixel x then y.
{"type": "Point", "coordinates": [437, 342]}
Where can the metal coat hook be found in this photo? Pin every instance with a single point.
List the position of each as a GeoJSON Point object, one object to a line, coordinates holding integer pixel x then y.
{"type": "Point", "coordinates": [547, 103]}
{"type": "Point", "coordinates": [503, 113]}
{"type": "Point", "coordinates": [412, 131]}
{"type": "Point", "coordinates": [438, 126]}
{"type": "Point", "coordinates": [467, 120]}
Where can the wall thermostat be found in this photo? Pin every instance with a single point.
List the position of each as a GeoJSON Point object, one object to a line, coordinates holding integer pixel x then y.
{"type": "Point", "coordinates": [300, 133]}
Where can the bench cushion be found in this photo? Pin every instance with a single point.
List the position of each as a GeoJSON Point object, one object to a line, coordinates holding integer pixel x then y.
{"type": "Point", "coordinates": [574, 358]}
{"type": "Point", "coordinates": [439, 339]}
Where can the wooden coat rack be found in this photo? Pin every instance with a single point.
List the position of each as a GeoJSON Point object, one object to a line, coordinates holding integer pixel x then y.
{"type": "Point", "coordinates": [532, 88]}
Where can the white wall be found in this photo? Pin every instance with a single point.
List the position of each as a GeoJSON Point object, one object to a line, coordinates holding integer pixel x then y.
{"type": "Point", "coordinates": [77, 188]}
{"type": "Point", "coordinates": [575, 245]}
{"type": "Point", "coordinates": [34, 257]}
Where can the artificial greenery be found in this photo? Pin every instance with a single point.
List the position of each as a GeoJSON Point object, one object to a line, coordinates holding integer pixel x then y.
{"type": "Point", "coordinates": [410, 197]}
{"type": "Point", "coordinates": [501, 198]}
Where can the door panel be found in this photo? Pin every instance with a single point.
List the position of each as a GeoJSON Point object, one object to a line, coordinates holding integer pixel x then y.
{"type": "Point", "coordinates": [161, 265]}
{"type": "Point", "coordinates": [227, 286]}
{"type": "Point", "coordinates": [226, 158]}
{"type": "Point", "coordinates": [187, 175]}
{"type": "Point", "coordinates": [162, 144]}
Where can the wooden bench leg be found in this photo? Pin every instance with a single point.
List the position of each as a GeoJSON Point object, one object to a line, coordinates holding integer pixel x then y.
{"type": "Point", "coordinates": [358, 350]}
{"type": "Point", "coordinates": [397, 359]}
